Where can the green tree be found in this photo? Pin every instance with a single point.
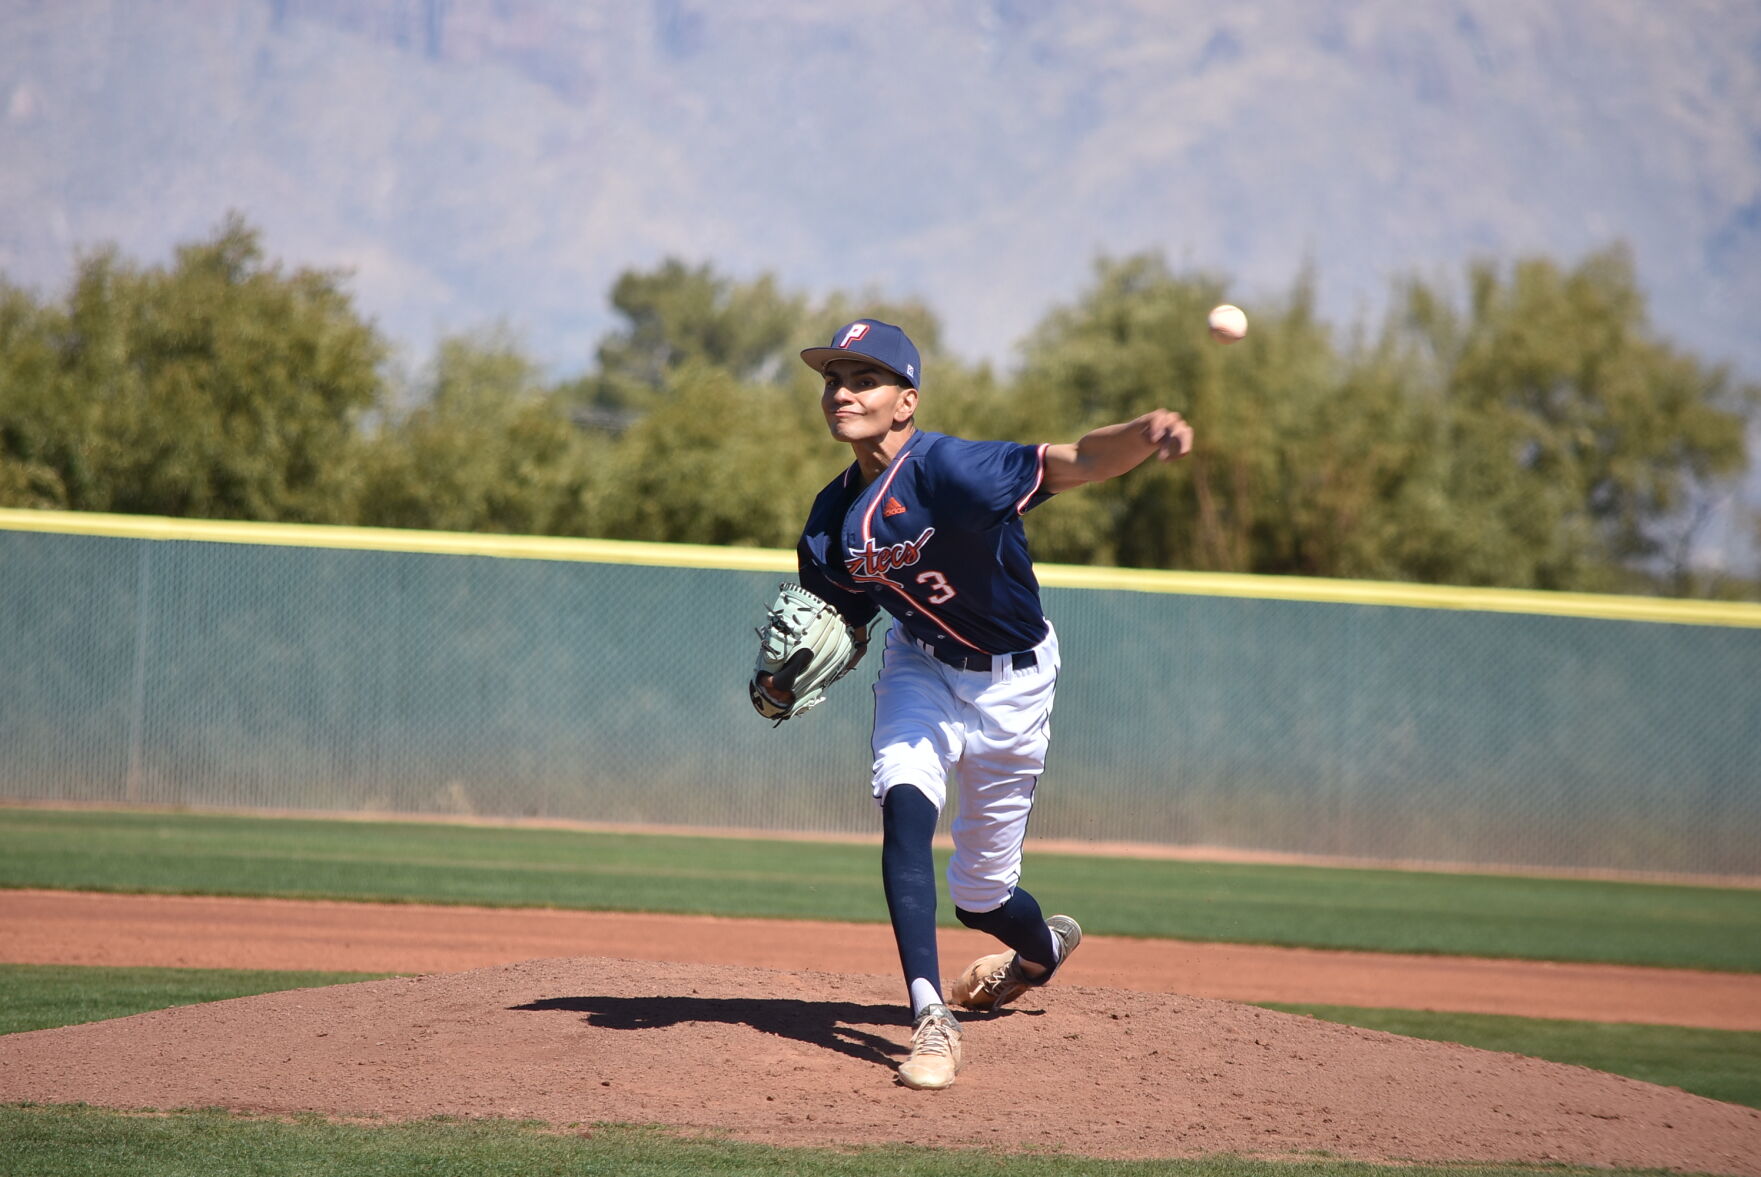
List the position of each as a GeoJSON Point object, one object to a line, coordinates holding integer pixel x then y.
{"type": "Point", "coordinates": [721, 440]}
{"type": "Point", "coordinates": [678, 315]}
{"type": "Point", "coordinates": [37, 435]}
{"type": "Point", "coordinates": [1571, 442]}
{"type": "Point", "coordinates": [1538, 434]}
{"type": "Point", "coordinates": [1541, 437]}
{"type": "Point", "coordinates": [719, 462]}
{"type": "Point", "coordinates": [220, 387]}
{"type": "Point", "coordinates": [485, 448]}
{"type": "Point", "coordinates": [1137, 340]}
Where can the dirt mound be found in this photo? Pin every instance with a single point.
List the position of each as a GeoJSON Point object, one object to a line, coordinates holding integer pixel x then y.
{"type": "Point", "coordinates": [801, 1058]}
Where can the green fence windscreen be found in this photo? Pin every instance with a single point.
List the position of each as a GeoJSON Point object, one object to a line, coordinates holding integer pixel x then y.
{"type": "Point", "coordinates": [241, 675]}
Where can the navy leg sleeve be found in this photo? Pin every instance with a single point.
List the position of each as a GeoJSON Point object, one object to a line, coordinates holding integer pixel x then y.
{"type": "Point", "coordinates": [908, 872]}
{"type": "Point", "coordinates": [1018, 924]}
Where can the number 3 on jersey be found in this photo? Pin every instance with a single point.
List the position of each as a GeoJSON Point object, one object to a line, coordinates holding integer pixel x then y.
{"type": "Point", "coordinates": [943, 591]}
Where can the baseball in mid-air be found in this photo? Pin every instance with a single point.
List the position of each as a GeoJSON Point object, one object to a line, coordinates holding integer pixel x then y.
{"type": "Point", "coordinates": [1228, 324]}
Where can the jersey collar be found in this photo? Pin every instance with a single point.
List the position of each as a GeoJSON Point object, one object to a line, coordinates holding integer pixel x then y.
{"type": "Point", "coordinates": [853, 471]}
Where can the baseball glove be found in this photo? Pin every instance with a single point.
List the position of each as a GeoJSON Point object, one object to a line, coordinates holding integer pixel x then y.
{"type": "Point", "coordinates": [804, 646]}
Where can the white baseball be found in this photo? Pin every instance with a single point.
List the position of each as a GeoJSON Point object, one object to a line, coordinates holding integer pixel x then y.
{"type": "Point", "coordinates": [1228, 324]}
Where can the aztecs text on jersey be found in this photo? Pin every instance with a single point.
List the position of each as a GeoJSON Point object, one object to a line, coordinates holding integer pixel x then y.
{"type": "Point", "coordinates": [937, 541]}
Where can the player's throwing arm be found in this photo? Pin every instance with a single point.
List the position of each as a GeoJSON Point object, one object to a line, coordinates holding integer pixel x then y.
{"type": "Point", "coordinates": [1112, 450]}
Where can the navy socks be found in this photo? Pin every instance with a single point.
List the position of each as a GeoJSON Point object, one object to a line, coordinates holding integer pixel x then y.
{"type": "Point", "coordinates": [908, 873]}
{"type": "Point", "coordinates": [1018, 924]}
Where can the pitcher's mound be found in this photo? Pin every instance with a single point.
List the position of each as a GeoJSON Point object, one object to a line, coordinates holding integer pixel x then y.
{"type": "Point", "coordinates": [801, 1058]}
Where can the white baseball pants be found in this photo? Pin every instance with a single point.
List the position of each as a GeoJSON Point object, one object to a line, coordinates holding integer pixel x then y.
{"type": "Point", "coordinates": [990, 729]}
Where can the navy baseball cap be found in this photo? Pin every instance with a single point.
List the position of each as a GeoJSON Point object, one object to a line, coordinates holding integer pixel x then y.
{"type": "Point", "coordinates": [875, 341]}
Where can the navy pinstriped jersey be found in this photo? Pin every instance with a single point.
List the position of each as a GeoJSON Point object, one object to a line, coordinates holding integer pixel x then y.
{"type": "Point", "coordinates": [937, 541]}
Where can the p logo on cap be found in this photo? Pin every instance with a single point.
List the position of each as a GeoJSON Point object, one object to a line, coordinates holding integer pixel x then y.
{"type": "Point", "coordinates": [874, 341]}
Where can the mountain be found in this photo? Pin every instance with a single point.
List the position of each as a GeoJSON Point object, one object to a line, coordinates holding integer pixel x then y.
{"type": "Point", "coordinates": [506, 159]}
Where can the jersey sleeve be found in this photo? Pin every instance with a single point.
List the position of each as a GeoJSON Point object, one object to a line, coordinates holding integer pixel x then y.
{"type": "Point", "coordinates": [853, 605]}
{"type": "Point", "coordinates": [989, 482]}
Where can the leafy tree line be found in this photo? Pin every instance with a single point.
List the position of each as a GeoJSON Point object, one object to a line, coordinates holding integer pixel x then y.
{"type": "Point", "coordinates": [1532, 430]}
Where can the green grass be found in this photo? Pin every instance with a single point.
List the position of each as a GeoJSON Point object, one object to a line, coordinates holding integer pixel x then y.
{"type": "Point", "coordinates": [1719, 1064]}
{"type": "Point", "coordinates": [87, 1142]}
{"type": "Point", "coordinates": [1395, 911]}
{"type": "Point", "coordinates": [39, 996]}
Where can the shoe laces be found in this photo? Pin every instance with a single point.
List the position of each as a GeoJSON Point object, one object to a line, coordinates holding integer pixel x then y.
{"type": "Point", "coordinates": [1003, 976]}
{"type": "Point", "coordinates": [934, 1035]}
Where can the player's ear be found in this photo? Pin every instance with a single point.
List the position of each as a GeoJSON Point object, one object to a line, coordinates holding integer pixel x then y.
{"type": "Point", "coordinates": [907, 406]}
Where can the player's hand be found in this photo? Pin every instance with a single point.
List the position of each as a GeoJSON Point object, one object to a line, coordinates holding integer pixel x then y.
{"type": "Point", "coordinates": [1168, 432]}
{"type": "Point", "coordinates": [781, 696]}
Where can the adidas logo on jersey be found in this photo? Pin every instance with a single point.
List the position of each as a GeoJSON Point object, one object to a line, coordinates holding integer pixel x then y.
{"type": "Point", "coordinates": [893, 507]}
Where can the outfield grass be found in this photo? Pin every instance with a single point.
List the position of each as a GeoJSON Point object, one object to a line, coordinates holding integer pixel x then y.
{"type": "Point", "coordinates": [1395, 911]}
{"type": "Point", "coordinates": [69, 1141]}
{"type": "Point", "coordinates": [39, 996]}
{"type": "Point", "coordinates": [1719, 1064]}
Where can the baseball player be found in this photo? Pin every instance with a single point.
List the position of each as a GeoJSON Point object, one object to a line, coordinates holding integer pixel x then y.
{"type": "Point", "coordinates": [928, 527]}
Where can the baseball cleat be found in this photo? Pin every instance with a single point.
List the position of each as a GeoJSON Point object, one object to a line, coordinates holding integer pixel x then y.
{"type": "Point", "coordinates": [991, 981]}
{"type": "Point", "coordinates": [935, 1050]}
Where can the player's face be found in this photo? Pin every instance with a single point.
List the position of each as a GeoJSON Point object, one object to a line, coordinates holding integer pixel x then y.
{"type": "Point", "coordinates": [863, 402]}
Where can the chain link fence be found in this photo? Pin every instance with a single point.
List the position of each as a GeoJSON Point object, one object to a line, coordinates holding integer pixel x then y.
{"type": "Point", "coordinates": [285, 676]}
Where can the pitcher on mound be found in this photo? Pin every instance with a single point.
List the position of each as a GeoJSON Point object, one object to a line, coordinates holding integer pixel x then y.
{"type": "Point", "coordinates": [928, 527]}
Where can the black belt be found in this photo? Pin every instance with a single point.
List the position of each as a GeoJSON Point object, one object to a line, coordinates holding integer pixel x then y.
{"type": "Point", "coordinates": [978, 660]}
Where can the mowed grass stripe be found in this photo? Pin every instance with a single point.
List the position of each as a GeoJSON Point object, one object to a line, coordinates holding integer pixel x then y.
{"type": "Point", "coordinates": [43, 996]}
{"type": "Point", "coordinates": [57, 1141]}
{"type": "Point", "coordinates": [1719, 1064]}
{"type": "Point", "coordinates": [1379, 910]}
{"type": "Point", "coordinates": [1417, 912]}
{"type": "Point", "coordinates": [415, 862]}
